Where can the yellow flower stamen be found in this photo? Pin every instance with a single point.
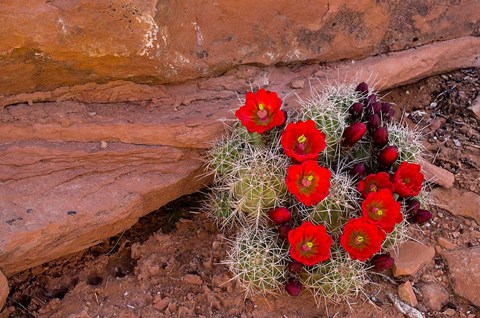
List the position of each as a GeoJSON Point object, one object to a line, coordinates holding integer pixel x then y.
{"type": "Point", "coordinates": [310, 244]}
{"type": "Point", "coordinates": [310, 178]}
{"type": "Point", "coordinates": [359, 239]}
{"type": "Point", "coordinates": [379, 212]}
{"type": "Point", "coordinates": [302, 139]}
{"type": "Point", "coordinates": [261, 107]}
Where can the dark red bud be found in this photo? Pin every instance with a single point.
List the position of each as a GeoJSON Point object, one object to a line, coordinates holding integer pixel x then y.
{"type": "Point", "coordinates": [295, 267]}
{"type": "Point", "coordinates": [421, 216]}
{"type": "Point", "coordinates": [280, 215]}
{"type": "Point", "coordinates": [353, 133]}
{"type": "Point", "coordinates": [388, 156]}
{"type": "Point", "coordinates": [413, 205]}
{"type": "Point", "coordinates": [371, 99]}
{"type": "Point", "coordinates": [375, 108]}
{"type": "Point", "coordinates": [356, 110]}
{"type": "Point", "coordinates": [373, 122]}
{"type": "Point", "coordinates": [382, 262]}
{"type": "Point", "coordinates": [362, 88]}
{"type": "Point", "coordinates": [283, 231]}
{"type": "Point", "coordinates": [359, 170]}
{"type": "Point", "coordinates": [380, 137]}
{"type": "Point", "coordinates": [387, 111]}
{"type": "Point", "coordinates": [293, 287]}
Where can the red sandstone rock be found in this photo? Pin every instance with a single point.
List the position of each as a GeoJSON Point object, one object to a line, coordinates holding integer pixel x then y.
{"type": "Point", "coordinates": [4, 290]}
{"type": "Point", "coordinates": [406, 293]}
{"type": "Point", "coordinates": [464, 269]}
{"type": "Point", "coordinates": [458, 202]}
{"type": "Point", "coordinates": [437, 175]}
{"type": "Point", "coordinates": [434, 296]}
{"type": "Point", "coordinates": [49, 44]}
{"type": "Point", "coordinates": [410, 258]}
{"type": "Point", "coordinates": [60, 198]}
{"type": "Point", "coordinates": [386, 71]}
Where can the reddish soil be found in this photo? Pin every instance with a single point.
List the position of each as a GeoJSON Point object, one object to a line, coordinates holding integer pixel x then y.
{"type": "Point", "coordinates": [169, 263]}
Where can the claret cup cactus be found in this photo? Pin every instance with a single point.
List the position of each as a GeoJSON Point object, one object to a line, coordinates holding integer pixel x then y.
{"type": "Point", "coordinates": [316, 200]}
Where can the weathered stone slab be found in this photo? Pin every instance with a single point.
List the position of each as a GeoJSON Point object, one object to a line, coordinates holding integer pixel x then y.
{"type": "Point", "coordinates": [49, 44]}
{"type": "Point", "coordinates": [59, 198]}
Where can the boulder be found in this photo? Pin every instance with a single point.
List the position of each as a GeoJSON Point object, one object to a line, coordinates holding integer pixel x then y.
{"type": "Point", "coordinates": [406, 293]}
{"type": "Point", "coordinates": [458, 202]}
{"type": "Point", "coordinates": [410, 257]}
{"type": "Point", "coordinates": [434, 296]}
{"type": "Point", "coordinates": [4, 290]}
{"type": "Point", "coordinates": [464, 272]}
{"type": "Point", "coordinates": [49, 44]}
{"type": "Point", "coordinates": [437, 175]}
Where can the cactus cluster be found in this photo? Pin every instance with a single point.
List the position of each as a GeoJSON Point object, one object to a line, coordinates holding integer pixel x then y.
{"type": "Point", "coordinates": [268, 188]}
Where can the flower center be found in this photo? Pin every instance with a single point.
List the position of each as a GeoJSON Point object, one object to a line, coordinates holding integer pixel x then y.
{"type": "Point", "coordinates": [307, 246]}
{"type": "Point", "coordinates": [406, 180]}
{"type": "Point", "coordinates": [373, 188]}
{"type": "Point", "coordinates": [302, 139]}
{"type": "Point", "coordinates": [262, 112]}
{"type": "Point", "coordinates": [359, 239]}
{"type": "Point", "coordinates": [307, 181]}
{"type": "Point", "coordinates": [377, 211]}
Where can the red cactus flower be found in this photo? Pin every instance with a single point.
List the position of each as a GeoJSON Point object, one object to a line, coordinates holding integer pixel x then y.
{"type": "Point", "coordinates": [353, 133]}
{"type": "Point", "coordinates": [261, 111]}
{"type": "Point", "coordinates": [309, 182]}
{"type": "Point", "coordinates": [388, 156]}
{"type": "Point", "coordinates": [374, 183]}
{"type": "Point", "coordinates": [309, 244]}
{"type": "Point", "coordinates": [361, 238]}
{"type": "Point", "coordinates": [381, 208]}
{"type": "Point", "coordinates": [302, 141]}
{"type": "Point", "coordinates": [280, 215]}
{"type": "Point", "coordinates": [408, 179]}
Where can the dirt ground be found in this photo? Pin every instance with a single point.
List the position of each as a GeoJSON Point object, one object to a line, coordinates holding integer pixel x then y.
{"type": "Point", "coordinates": [169, 263]}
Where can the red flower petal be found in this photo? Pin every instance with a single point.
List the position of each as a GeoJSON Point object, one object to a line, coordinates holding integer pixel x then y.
{"type": "Point", "coordinates": [309, 182]}
{"type": "Point", "coordinates": [408, 179]}
{"type": "Point", "coordinates": [302, 141]}
{"type": "Point", "coordinates": [361, 238]}
{"type": "Point", "coordinates": [374, 183]}
{"type": "Point", "coordinates": [309, 244]}
{"type": "Point", "coordinates": [381, 208]}
{"type": "Point", "coordinates": [261, 111]}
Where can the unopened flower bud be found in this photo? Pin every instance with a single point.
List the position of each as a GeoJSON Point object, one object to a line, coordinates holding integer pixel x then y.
{"type": "Point", "coordinates": [283, 231]}
{"type": "Point", "coordinates": [280, 215]}
{"type": "Point", "coordinates": [353, 133]}
{"type": "Point", "coordinates": [359, 170]}
{"type": "Point", "coordinates": [293, 287]}
{"type": "Point", "coordinates": [421, 216]}
{"type": "Point", "coordinates": [382, 262]}
{"type": "Point", "coordinates": [373, 122]}
{"type": "Point", "coordinates": [295, 267]}
{"type": "Point", "coordinates": [371, 99]}
{"type": "Point", "coordinates": [356, 110]}
{"type": "Point", "coordinates": [375, 108]}
{"type": "Point", "coordinates": [413, 205]}
{"type": "Point", "coordinates": [388, 156]}
{"type": "Point", "coordinates": [362, 88]}
{"type": "Point", "coordinates": [380, 137]}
